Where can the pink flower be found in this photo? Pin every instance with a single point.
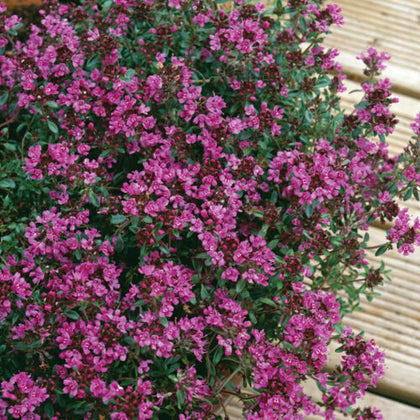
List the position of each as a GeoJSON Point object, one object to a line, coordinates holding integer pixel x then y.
{"type": "Point", "coordinates": [71, 387]}
{"type": "Point", "coordinates": [11, 22]}
{"type": "Point", "coordinates": [21, 287]}
{"type": "Point", "coordinates": [98, 388]}
{"type": "Point", "coordinates": [231, 274]}
{"type": "Point", "coordinates": [415, 126]}
{"type": "Point", "coordinates": [155, 82]}
{"type": "Point", "coordinates": [51, 89]}
{"type": "Point", "coordinates": [236, 125]}
{"type": "Point", "coordinates": [259, 7]}
{"type": "Point", "coordinates": [119, 416]}
{"type": "Point", "coordinates": [201, 19]}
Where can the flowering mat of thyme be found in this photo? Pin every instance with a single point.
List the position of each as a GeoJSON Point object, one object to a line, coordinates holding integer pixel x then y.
{"type": "Point", "coordinates": [185, 207]}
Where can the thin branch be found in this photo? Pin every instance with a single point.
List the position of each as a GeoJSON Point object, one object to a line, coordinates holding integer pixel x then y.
{"type": "Point", "coordinates": [377, 246]}
{"type": "Point", "coordinates": [233, 374]}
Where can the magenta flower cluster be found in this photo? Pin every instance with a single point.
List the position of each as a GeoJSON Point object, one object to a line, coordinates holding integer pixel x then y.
{"type": "Point", "coordinates": [183, 198]}
{"type": "Point", "coordinates": [26, 395]}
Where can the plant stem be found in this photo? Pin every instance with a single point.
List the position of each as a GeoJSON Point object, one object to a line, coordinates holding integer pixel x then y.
{"type": "Point", "coordinates": [237, 370]}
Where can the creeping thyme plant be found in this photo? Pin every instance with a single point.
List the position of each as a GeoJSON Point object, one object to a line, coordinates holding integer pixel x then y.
{"type": "Point", "coordinates": [185, 209]}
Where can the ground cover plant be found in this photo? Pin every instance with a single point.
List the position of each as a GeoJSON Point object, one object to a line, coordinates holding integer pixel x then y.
{"type": "Point", "coordinates": [183, 198]}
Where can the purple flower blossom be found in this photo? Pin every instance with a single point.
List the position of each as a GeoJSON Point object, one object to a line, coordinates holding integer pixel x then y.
{"type": "Point", "coordinates": [197, 188]}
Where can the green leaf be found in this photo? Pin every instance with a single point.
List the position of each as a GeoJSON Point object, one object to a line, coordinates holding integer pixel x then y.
{"type": "Point", "coordinates": [263, 231]}
{"type": "Point", "coordinates": [274, 197]}
{"type": "Point", "coordinates": [302, 23]}
{"type": "Point", "coordinates": [129, 74]}
{"type": "Point", "coordinates": [202, 255]}
{"type": "Point", "coordinates": [49, 410]}
{"type": "Point", "coordinates": [268, 302]}
{"type": "Point", "coordinates": [164, 322]}
{"type": "Point", "coordinates": [119, 244]}
{"type": "Point", "coordinates": [370, 219]}
{"type": "Point", "coordinates": [94, 200]}
{"type": "Point", "coordinates": [323, 82]}
{"type": "Point", "coordinates": [21, 346]}
{"type": "Point", "coordinates": [7, 183]}
{"type": "Point", "coordinates": [3, 98]}
{"type": "Point", "coordinates": [10, 146]}
{"type": "Point", "coordinates": [306, 234]}
{"type": "Point", "coordinates": [218, 354]}
{"type": "Point", "coordinates": [309, 209]}
{"type": "Point", "coordinates": [240, 285]}
{"type": "Point", "coordinates": [245, 135]}
{"type": "Point", "coordinates": [18, 26]}
{"type": "Point", "coordinates": [408, 194]}
{"type": "Point", "coordinates": [164, 250]}
{"type": "Point", "coordinates": [38, 108]}
{"type": "Point", "coordinates": [20, 127]}
{"type": "Point", "coordinates": [258, 213]}
{"type": "Point", "coordinates": [333, 260]}
{"type": "Point", "coordinates": [381, 250]}
{"type": "Point", "coordinates": [52, 126]}
{"type": "Point", "coordinates": [52, 104]}
{"type": "Point", "coordinates": [362, 105]}
{"type": "Point", "coordinates": [393, 186]}
{"type": "Point", "coordinates": [116, 219]}
{"type": "Point", "coordinates": [72, 315]}
{"type": "Point", "coordinates": [180, 397]}
{"type": "Point", "coordinates": [203, 292]}
{"type": "Point", "coordinates": [320, 387]}
{"type": "Point", "coordinates": [93, 62]}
